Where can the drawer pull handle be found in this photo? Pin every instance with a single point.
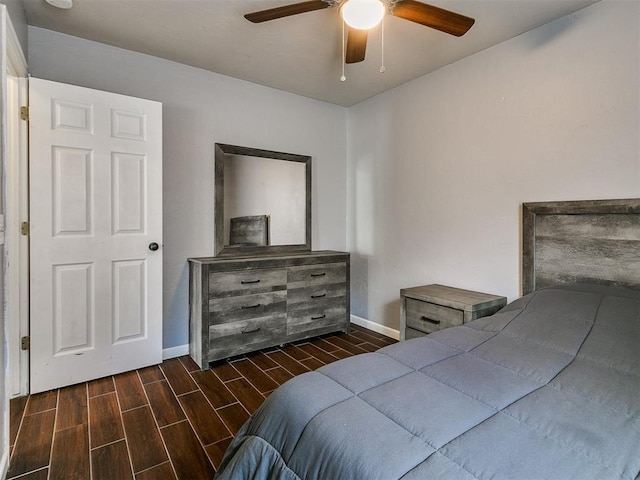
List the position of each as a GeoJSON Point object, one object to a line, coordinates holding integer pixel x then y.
{"type": "Point", "coordinates": [318, 317]}
{"type": "Point", "coordinates": [319, 274]}
{"type": "Point", "coordinates": [430, 320]}
{"type": "Point", "coordinates": [247, 282]}
{"type": "Point", "coordinates": [252, 330]}
{"type": "Point", "coordinates": [319, 296]}
{"type": "Point", "coordinates": [246, 307]}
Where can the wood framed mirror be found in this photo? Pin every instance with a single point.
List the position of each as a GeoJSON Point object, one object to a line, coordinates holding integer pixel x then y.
{"type": "Point", "coordinates": [266, 196]}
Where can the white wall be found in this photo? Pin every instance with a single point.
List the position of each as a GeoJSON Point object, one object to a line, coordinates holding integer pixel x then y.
{"type": "Point", "coordinates": [200, 109]}
{"type": "Point", "coordinates": [439, 167]}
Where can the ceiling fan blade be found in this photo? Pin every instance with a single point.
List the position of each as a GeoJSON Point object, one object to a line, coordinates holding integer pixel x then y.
{"type": "Point", "coordinates": [286, 10]}
{"type": "Point", "coordinates": [434, 17]}
{"type": "Point", "coordinates": [356, 45]}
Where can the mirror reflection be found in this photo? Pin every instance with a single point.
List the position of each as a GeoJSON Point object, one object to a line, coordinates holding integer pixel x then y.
{"type": "Point", "coordinates": [264, 201]}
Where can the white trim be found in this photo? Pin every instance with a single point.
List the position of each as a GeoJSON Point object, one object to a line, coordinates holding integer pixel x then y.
{"type": "Point", "coordinates": [376, 327]}
{"type": "Point", "coordinates": [173, 352]}
{"type": "Point", "coordinates": [16, 61]}
{"type": "Point", "coordinates": [4, 325]}
{"type": "Point", "coordinates": [16, 253]}
{"type": "Point", "coordinates": [4, 464]}
{"type": "Point", "coordinates": [16, 211]}
{"type": "Point", "coordinates": [18, 243]}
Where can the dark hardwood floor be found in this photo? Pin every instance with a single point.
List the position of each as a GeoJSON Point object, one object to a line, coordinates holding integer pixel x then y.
{"type": "Point", "coordinates": [169, 421]}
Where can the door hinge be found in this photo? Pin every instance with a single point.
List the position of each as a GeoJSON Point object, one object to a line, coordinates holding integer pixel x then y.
{"type": "Point", "coordinates": [24, 113]}
{"type": "Point", "coordinates": [25, 343]}
{"type": "Point", "coordinates": [25, 229]}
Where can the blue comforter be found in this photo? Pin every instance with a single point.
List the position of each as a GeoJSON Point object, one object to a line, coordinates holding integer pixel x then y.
{"type": "Point", "coordinates": [549, 387]}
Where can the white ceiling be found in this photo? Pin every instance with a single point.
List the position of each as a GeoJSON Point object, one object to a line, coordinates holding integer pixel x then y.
{"type": "Point", "coordinates": [299, 54]}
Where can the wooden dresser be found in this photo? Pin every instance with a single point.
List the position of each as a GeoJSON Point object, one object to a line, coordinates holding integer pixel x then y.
{"type": "Point", "coordinates": [243, 304]}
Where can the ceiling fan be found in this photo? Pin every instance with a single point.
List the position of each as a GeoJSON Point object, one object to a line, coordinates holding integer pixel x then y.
{"type": "Point", "coordinates": [412, 10]}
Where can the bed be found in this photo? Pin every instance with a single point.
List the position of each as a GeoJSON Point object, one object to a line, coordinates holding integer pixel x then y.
{"type": "Point", "coordinates": [548, 387]}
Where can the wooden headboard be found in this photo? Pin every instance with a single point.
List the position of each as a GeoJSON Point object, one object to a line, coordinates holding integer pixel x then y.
{"type": "Point", "coordinates": [592, 241]}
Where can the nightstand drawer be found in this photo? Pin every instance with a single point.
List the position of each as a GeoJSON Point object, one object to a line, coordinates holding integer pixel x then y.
{"type": "Point", "coordinates": [428, 317]}
{"type": "Point", "coordinates": [410, 333]}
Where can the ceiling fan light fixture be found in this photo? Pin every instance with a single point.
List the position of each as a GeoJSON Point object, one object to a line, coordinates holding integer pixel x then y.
{"type": "Point", "coordinates": [362, 14]}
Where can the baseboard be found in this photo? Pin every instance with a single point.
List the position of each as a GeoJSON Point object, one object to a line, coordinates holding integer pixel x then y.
{"type": "Point", "coordinates": [173, 352]}
{"type": "Point", "coordinates": [376, 327]}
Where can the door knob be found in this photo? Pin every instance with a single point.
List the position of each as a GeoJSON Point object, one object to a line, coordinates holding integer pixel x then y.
{"type": "Point", "coordinates": [153, 246]}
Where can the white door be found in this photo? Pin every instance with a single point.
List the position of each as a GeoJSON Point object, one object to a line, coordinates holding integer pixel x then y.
{"type": "Point", "coordinates": [96, 217]}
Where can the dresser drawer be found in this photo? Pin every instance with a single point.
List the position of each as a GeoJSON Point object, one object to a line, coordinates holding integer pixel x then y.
{"type": "Point", "coordinates": [238, 282]}
{"type": "Point", "coordinates": [316, 293]}
{"type": "Point", "coordinates": [236, 338]}
{"type": "Point", "coordinates": [242, 307]}
{"type": "Point", "coordinates": [428, 317]}
{"type": "Point", "coordinates": [309, 317]}
{"type": "Point", "coordinates": [320, 274]}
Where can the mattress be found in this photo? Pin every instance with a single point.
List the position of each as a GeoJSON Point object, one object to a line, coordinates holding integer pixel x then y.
{"type": "Point", "coordinates": [549, 387]}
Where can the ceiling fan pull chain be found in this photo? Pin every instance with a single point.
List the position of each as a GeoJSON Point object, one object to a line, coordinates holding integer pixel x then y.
{"type": "Point", "coordinates": [344, 55]}
{"type": "Point", "coordinates": [382, 67]}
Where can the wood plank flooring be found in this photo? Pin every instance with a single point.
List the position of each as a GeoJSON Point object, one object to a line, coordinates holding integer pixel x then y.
{"type": "Point", "coordinates": [168, 421]}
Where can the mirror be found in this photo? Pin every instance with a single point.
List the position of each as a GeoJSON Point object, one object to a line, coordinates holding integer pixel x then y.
{"type": "Point", "coordinates": [262, 201]}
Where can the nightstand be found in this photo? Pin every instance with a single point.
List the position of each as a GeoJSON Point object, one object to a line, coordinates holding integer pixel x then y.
{"type": "Point", "coordinates": [430, 308]}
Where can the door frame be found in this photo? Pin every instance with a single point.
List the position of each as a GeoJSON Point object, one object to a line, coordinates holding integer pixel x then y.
{"type": "Point", "coordinates": [16, 189]}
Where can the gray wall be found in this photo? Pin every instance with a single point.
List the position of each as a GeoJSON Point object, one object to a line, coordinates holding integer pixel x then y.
{"type": "Point", "coordinates": [436, 169]}
{"type": "Point", "coordinates": [18, 20]}
{"type": "Point", "coordinates": [439, 167]}
{"type": "Point", "coordinates": [201, 108]}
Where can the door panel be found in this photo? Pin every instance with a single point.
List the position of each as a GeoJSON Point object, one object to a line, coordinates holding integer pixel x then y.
{"type": "Point", "coordinates": [73, 320]}
{"type": "Point", "coordinates": [129, 174]}
{"type": "Point", "coordinates": [72, 195]}
{"type": "Point", "coordinates": [95, 200]}
{"type": "Point", "coordinates": [129, 286]}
